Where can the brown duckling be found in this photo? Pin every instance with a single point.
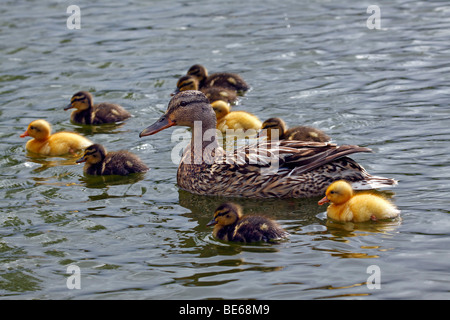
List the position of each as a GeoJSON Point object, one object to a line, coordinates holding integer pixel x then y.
{"type": "Point", "coordinates": [48, 144]}
{"type": "Point", "coordinates": [212, 93]}
{"type": "Point", "coordinates": [100, 162]}
{"type": "Point", "coordinates": [231, 81]}
{"type": "Point", "coordinates": [300, 133]}
{"type": "Point", "coordinates": [88, 113]}
{"type": "Point", "coordinates": [231, 225]}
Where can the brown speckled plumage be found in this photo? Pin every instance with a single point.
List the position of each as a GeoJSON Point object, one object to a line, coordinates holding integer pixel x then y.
{"type": "Point", "coordinates": [298, 169]}
{"type": "Point", "coordinates": [88, 113]}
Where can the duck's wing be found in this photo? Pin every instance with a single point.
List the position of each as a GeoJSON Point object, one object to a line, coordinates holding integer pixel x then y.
{"type": "Point", "coordinates": [295, 158]}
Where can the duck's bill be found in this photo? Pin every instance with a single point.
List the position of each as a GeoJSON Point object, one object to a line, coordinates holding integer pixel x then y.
{"type": "Point", "coordinates": [175, 92]}
{"type": "Point", "coordinates": [25, 134]}
{"type": "Point", "coordinates": [82, 159]}
{"type": "Point", "coordinates": [163, 123]}
{"type": "Point", "coordinates": [69, 106]}
{"type": "Point", "coordinates": [323, 201]}
{"type": "Point", "coordinates": [211, 223]}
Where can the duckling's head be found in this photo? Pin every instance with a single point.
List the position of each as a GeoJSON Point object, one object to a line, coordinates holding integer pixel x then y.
{"type": "Point", "coordinates": [93, 154]}
{"type": "Point", "coordinates": [38, 129]}
{"type": "Point", "coordinates": [81, 101]}
{"type": "Point", "coordinates": [226, 214]}
{"type": "Point", "coordinates": [337, 193]}
{"type": "Point", "coordinates": [221, 108]}
{"type": "Point", "coordinates": [186, 83]}
{"type": "Point", "coordinates": [186, 108]}
{"type": "Point", "coordinates": [273, 124]}
{"type": "Point", "coordinates": [198, 71]}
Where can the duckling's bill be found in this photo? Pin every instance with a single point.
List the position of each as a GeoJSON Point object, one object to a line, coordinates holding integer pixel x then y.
{"type": "Point", "coordinates": [323, 200]}
{"type": "Point", "coordinates": [163, 123]}
{"type": "Point", "coordinates": [212, 222]}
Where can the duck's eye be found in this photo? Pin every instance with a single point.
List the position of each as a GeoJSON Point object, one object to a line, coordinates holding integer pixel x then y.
{"type": "Point", "coordinates": [332, 192]}
{"type": "Point", "coordinates": [183, 103]}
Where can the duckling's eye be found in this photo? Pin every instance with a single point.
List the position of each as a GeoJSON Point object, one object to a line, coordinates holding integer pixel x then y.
{"type": "Point", "coordinates": [332, 192]}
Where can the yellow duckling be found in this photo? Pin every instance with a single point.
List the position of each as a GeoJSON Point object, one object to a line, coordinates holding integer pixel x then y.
{"type": "Point", "coordinates": [347, 206]}
{"type": "Point", "coordinates": [300, 133]}
{"type": "Point", "coordinates": [56, 144]}
{"type": "Point", "coordinates": [212, 93]}
{"type": "Point", "coordinates": [231, 81]}
{"type": "Point", "coordinates": [88, 113]}
{"type": "Point", "coordinates": [100, 162]}
{"type": "Point", "coordinates": [231, 225]}
{"type": "Point", "coordinates": [234, 120]}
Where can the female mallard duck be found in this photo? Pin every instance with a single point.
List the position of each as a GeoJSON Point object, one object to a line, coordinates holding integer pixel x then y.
{"type": "Point", "coordinates": [283, 169]}
{"type": "Point", "coordinates": [231, 225]}
{"type": "Point", "coordinates": [88, 113]}
{"type": "Point", "coordinates": [99, 162]}
{"type": "Point", "coordinates": [347, 206]}
{"type": "Point", "coordinates": [212, 93]}
{"type": "Point", "coordinates": [301, 133]}
{"type": "Point", "coordinates": [56, 144]}
{"type": "Point", "coordinates": [234, 120]}
{"type": "Point", "coordinates": [226, 80]}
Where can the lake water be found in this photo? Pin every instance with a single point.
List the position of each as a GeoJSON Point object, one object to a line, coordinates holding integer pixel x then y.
{"type": "Point", "coordinates": [313, 63]}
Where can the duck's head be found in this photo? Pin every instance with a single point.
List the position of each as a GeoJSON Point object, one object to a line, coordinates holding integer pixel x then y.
{"type": "Point", "coordinates": [221, 108]}
{"type": "Point", "coordinates": [186, 83]}
{"type": "Point", "coordinates": [226, 214]}
{"type": "Point", "coordinates": [38, 129]}
{"type": "Point", "coordinates": [273, 124]}
{"type": "Point", "coordinates": [93, 154]}
{"type": "Point", "coordinates": [337, 193]}
{"type": "Point", "coordinates": [198, 71]}
{"type": "Point", "coordinates": [186, 108]}
{"type": "Point", "coordinates": [81, 101]}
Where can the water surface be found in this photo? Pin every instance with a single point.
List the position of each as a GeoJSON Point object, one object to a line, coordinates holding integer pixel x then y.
{"type": "Point", "coordinates": [310, 63]}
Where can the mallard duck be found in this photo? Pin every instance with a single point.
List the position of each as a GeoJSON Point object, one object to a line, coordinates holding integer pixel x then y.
{"type": "Point", "coordinates": [347, 206]}
{"type": "Point", "coordinates": [88, 113]}
{"type": "Point", "coordinates": [235, 120]}
{"type": "Point", "coordinates": [283, 169]}
{"type": "Point", "coordinates": [100, 162]}
{"type": "Point", "coordinates": [56, 144]}
{"type": "Point", "coordinates": [212, 93]}
{"type": "Point", "coordinates": [231, 81]}
{"type": "Point", "coordinates": [301, 133]}
{"type": "Point", "coordinates": [231, 225]}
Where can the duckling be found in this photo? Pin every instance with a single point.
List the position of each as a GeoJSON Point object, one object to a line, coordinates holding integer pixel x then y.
{"type": "Point", "coordinates": [88, 113]}
{"type": "Point", "coordinates": [234, 120]}
{"type": "Point", "coordinates": [226, 80]}
{"type": "Point", "coordinates": [56, 144]}
{"type": "Point", "coordinates": [347, 206]}
{"type": "Point", "coordinates": [230, 225]}
{"type": "Point", "coordinates": [212, 93]}
{"type": "Point", "coordinates": [300, 133]}
{"type": "Point", "coordinates": [100, 162]}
